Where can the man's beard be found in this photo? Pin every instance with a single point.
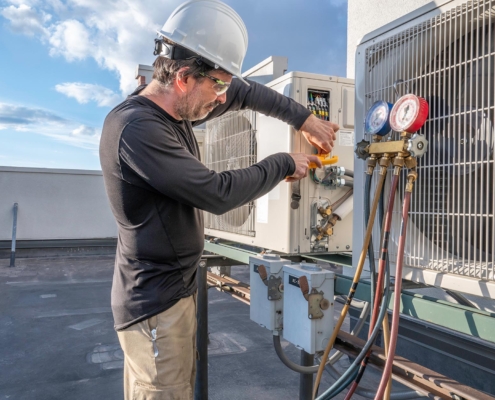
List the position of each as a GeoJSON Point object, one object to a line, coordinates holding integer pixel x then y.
{"type": "Point", "coordinates": [189, 107]}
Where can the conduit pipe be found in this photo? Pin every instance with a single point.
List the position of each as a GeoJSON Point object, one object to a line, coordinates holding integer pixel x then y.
{"type": "Point", "coordinates": [335, 357]}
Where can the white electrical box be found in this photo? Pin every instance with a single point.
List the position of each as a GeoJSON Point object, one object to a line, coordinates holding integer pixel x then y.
{"type": "Point", "coordinates": [308, 322]}
{"type": "Point", "coordinates": [266, 290]}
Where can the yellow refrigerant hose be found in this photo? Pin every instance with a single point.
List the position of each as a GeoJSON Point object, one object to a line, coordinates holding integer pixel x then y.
{"type": "Point", "coordinates": [386, 344]}
{"type": "Point", "coordinates": [384, 162]}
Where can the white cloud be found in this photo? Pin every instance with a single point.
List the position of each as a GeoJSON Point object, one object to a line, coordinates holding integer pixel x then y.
{"type": "Point", "coordinates": [48, 123]}
{"type": "Point", "coordinates": [20, 117]}
{"type": "Point", "coordinates": [117, 34]}
{"type": "Point", "coordinates": [86, 92]}
{"type": "Point", "coordinates": [84, 130]}
{"type": "Point", "coordinates": [70, 39]}
{"type": "Point", "coordinates": [26, 20]}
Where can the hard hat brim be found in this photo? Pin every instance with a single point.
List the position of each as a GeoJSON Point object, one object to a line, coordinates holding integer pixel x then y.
{"type": "Point", "coordinates": [225, 68]}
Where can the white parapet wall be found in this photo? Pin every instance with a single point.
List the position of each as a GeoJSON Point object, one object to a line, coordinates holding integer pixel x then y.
{"type": "Point", "coordinates": [54, 204]}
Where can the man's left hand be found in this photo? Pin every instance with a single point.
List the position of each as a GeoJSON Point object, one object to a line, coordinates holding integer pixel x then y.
{"type": "Point", "coordinates": [319, 133]}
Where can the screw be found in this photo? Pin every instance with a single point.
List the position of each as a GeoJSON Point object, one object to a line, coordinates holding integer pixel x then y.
{"type": "Point", "coordinates": [420, 145]}
{"type": "Point", "coordinates": [202, 264]}
{"type": "Point", "coordinates": [269, 297]}
{"type": "Point", "coordinates": [347, 247]}
{"type": "Point", "coordinates": [310, 316]}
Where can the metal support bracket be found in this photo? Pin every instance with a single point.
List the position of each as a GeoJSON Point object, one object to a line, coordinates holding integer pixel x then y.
{"type": "Point", "coordinates": [314, 300]}
{"type": "Point", "coordinates": [274, 288]}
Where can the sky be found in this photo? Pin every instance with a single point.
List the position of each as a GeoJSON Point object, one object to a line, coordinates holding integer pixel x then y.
{"type": "Point", "coordinates": [64, 64]}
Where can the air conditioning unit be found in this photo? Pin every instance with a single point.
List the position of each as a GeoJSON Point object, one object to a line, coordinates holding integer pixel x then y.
{"type": "Point", "coordinates": [445, 56]}
{"type": "Point", "coordinates": [277, 221]}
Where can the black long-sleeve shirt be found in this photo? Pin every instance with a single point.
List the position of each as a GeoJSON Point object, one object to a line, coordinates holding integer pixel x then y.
{"type": "Point", "coordinates": [158, 187]}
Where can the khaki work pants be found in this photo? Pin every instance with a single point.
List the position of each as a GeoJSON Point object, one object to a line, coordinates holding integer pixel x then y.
{"type": "Point", "coordinates": [163, 369]}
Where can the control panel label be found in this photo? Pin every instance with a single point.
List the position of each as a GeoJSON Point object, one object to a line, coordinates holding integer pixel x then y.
{"type": "Point", "coordinates": [293, 281]}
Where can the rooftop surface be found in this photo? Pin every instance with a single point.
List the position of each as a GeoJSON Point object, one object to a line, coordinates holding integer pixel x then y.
{"type": "Point", "coordinates": [57, 339]}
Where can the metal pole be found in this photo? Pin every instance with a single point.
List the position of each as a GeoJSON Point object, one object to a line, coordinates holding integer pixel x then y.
{"type": "Point", "coordinates": [14, 234]}
{"type": "Point", "coordinates": [201, 386]}
{"type": "Point", "coordinates": [306, 380]}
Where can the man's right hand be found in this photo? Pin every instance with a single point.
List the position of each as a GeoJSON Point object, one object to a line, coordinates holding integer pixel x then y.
{"type": "Point", "coordinates": [302, 162]}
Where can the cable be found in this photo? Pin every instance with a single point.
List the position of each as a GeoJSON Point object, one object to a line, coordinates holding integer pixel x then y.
{"type": "Point", "coordinates": [355, 331]}
{"type": "Point", "coordinates": [338, 386]}
{"type": "Point", "coordinates": [349, 184]}
{"type": "Point", "coordinates": [387, 370]}
{"type": "Point", "coordinates": [349, 173]}
{"type": "Point", "coordinates": [292, 365]}
{"type": "Point", "coordinates": [386, 346]}
{"type": "Point", "coordinates": [385, 324]}
{"type": "Point", "coordinates": [335, 357]}
{"type": "Point", "coordinates": [381, 268]}
{"type": "Point", "coordinates": [314, 178]}
{"type": "Point", "coordinates": [371, 251]}
{"type": "Point", "coordinates": [370, 394]}
{"type": "Point", "coordinates": [357, 275]}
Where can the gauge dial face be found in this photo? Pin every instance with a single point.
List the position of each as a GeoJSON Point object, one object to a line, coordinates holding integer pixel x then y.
{"type": "Point", "coordinates": [409, 113]}
{"type": "Point", "coordinates": [405, 113]}
{"type": "Point", "coordinates": [377, 117]}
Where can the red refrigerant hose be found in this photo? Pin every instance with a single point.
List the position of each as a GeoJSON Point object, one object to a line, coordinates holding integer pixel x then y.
{"type": "Point", "coordinates": [387, 370]}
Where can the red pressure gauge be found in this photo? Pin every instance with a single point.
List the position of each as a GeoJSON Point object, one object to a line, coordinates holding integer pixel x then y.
{"type": "Point", "coordinates": [409, 113]}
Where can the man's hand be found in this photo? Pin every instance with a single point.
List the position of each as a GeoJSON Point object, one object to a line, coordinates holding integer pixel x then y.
{"type": "Point", "coordinates": [319, 133]}
{"type": "Point", "coordinates": [302, 162]}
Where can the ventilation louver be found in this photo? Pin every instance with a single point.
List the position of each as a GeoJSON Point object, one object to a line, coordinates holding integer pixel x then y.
{"type": "Point", "coordinates": [230, 143]}
{"type": "Point", "coordinates": [450, 61]}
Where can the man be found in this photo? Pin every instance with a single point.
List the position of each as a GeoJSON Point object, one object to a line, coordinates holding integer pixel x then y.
{"type": "Point", "coordinates": [157, 187]}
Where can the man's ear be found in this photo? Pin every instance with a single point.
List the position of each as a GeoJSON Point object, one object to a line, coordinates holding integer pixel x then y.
{"type": "Point", "coordinates": [182, 79]}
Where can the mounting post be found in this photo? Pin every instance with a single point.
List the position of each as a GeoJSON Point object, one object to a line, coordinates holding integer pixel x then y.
{"type": "Point", "coordinates": [14, 234]}
{"type": "Point", "coordinates": [201, 386]}
{"type": "Point", "coordinates": [306, 380]}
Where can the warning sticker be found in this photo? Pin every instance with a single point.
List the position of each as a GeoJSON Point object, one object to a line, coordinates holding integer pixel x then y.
{"type": "Point", "coordinates": [294, 281]}
{"type": "Point", "coordinates": [346, 139]}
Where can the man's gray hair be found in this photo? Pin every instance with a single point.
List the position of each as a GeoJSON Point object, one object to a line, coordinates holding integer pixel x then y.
{"type": "Point", "coordinates": [165, 69]}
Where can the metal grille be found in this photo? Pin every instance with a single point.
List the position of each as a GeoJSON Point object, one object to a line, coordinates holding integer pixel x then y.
{"type": "Point", "coordinates": [230, 143]}
{"type": "Point", "coordinates": [448, 60]}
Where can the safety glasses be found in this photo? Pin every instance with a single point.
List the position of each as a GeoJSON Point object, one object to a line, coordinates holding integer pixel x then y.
{"type": "Point", "coordinates": [220, 87]}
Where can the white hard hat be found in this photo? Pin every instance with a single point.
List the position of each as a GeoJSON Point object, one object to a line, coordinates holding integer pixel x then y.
{"type": "Point", "coordinates": [211, 30]}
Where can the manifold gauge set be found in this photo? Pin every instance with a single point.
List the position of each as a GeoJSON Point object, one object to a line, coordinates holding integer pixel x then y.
{"type": "Point", "coordinates": [408, 114]}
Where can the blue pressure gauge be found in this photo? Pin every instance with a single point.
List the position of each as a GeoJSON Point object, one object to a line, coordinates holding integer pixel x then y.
{"type": "Point", "coordinates": [377, 120]}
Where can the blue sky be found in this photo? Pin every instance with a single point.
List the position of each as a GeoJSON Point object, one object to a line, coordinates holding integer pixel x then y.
{"type": "Point", "coordinates": [65, 63]}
